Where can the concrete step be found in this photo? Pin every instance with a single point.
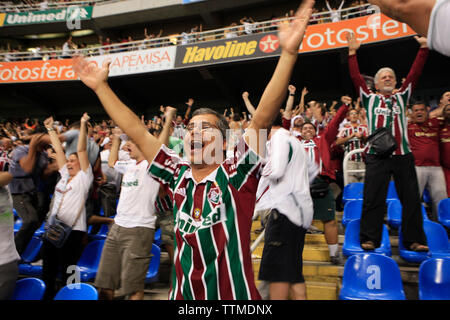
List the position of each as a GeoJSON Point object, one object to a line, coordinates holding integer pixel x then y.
{"type": "Point", "coordinates": [321, 291]}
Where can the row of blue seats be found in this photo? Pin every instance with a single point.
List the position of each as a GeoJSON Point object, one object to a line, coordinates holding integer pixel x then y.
{"type": "Point", "coordinates": [372, 276]}
{"type": "Point", "coordinates": [437, 240]}
{"type": "Point", "coordinates": [34, 289]}
{"type": "Point", "coordinates": [353, 210]}
{"type": "Point", "coordinates": [88, 263]}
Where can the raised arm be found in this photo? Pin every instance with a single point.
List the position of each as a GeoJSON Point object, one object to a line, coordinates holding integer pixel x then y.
{"type": "Point", "coordinates": [287, 114]}
{"type": "Point", "coordinates": [114, 152]}
{"type": "Point", "coordinates": [342, 4]}
{"type": "Point", "coordinates": [355, 75]}
{"type": "Point", "coordinates": [97, 79]}
{"type": "Point", "coordinates": [82, 142]}
{"type": "Point", "coordinates": [189, 104]}
{"type": "Point", "coordinates": [251, 109]}
{"type": "Point", "coordinates": [328, 5]}
{"type": "Point", "coordinates": [290, 36]}
{"type": "Point", "coordinates": [56, 143]}
{"type": "Point", "coordinates": [417, 67]}
{"type": "Point", "coordinates": [169, 115]}
{"type": "Point", "coordinates": [332, 130]}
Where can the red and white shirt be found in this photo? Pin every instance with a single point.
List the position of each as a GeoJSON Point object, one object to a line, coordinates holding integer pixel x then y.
{"type": "Point", "coordinates": [389, 111]}
{"type": "Point", "coordinates": [354, 143]}
{"type": "Point", "coordinates": [212, 225]}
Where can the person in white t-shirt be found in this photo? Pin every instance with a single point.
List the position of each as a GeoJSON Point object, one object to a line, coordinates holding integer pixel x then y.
{"type": "Point", "coordinates": [126, 254]}
{"type": "Point", "coordinates": [68, 206]}
{"type": "Point", "coordinates": [9, 257]}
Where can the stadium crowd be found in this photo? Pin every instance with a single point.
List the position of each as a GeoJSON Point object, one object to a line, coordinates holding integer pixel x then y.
{"type": "Point", "coordinates": [75, 172]}
{"type": "Point", "coordinates": [246, 26]}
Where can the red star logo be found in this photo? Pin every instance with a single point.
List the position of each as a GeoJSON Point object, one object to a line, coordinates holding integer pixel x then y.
{"type": "Point", "coordinates": [269, 44]}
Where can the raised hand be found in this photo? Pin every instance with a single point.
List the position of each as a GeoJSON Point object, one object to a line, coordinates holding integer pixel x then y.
{"type": "Point", "coordinates": [48, 123]}
{"type": "Point", "coordinates": [291, 34]}
{"type": "Point", "coordinates": [353, 44]}
{"type": "Point", "coordinates": [190, 102]}
{"type": "Point", "coordinates": [245, 95]}
{"type": "Point", "coordinates": [346, 100]}
{"type": "Point", "coordinates": [89, 73]}
{"type": "Point", "coordinates": [170, 111]}
{"type": "Point", "coordinates": [85, 118]}
{"type": "Point", "coordinates": [292, 89]}
{"type": "Point", "coordinates": [305, 91]}
{"type": "Point", "coordinates": [422, 41]}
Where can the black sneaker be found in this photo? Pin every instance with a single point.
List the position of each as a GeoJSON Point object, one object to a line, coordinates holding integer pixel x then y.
{"type": "Point", "coordinates": [337, 259]}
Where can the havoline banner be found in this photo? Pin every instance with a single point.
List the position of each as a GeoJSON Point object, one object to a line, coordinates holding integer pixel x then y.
{"type": "Point", "coordinates": [259, 45]}
{"type": "Point", "coordinates": [48, 16]}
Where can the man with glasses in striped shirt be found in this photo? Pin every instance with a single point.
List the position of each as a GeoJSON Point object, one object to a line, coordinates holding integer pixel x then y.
{"type": "Point", "coordinates": [213, 199]}
{"type": "Point", "coordinates": [388, 109]}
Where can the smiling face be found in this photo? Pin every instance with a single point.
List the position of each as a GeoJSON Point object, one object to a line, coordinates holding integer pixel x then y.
{"type": "Point", "coordinates": [385, 81]}
{"type": "Point", "coordinates": [308, 131]}
{"type": "Point", "coordinates": [203, 142]}
{"type": "Point", "coordinates": [353, 116]}
{"type": "Point", "coordinates": [73, 165]}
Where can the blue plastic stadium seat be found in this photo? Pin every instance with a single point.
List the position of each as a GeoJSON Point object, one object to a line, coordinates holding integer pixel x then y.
{"type": "Point", "coordinates": [437, 241]}
{"type": "Point", "coordinates": [78, 291]}
{"type": "Point", "coordinates": [444, 212]}
{"type": "Point", "coordinates": [394, 213]}
{"type": "Point", "coordinates": [434, 279]}
{"type": "Point", "coordinates": [29, 289]}
{"type": "Point", "coordinates": [353, 191]}
{"type": "Point", "coordinates": [39, 232]}
{"type": "Point", "coordinates": [90, 260]}
{"type": "Point", "coordinates": [29, 256]}
{"type": "Point", "coordinates": [426, 196]}
{"type": "Point", "coordinates": [371, 277]}
{"type": "Point", "coordinates": [392, 192]}
{"type": "Point", "coordinates": [17, 225]}
{"type": "Point", "coordinates": [352, 244]}
{"type": "Point", "coordinates": [153, 268]}
{"type": "Point", "coordinates": [157, 240]}
{"type": "Point", "coordinates": [101, 234]}
{"type": "Point", "coordinates": [352, 211]}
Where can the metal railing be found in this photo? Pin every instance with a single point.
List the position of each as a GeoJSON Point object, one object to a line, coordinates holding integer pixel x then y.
{"type": "Point", "coordinates": [178, 39]}
{"type": "Point", "coordinates": [11, 7]}
{"type": "Point", "coordinates": [345, 164]}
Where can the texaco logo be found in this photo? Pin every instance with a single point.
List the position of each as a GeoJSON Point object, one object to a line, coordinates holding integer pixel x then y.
{"type": "Point", "coordinates": [269, 43]}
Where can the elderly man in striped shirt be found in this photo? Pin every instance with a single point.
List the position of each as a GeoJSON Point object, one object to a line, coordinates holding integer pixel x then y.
{"type": "Point", "coordinates": [213, 199]}
{"type": "Point", "coordinates": [388, 108]}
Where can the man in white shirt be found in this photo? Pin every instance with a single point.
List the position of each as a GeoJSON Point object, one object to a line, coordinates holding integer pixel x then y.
{"type": "Point", "coordinates": [126, 254]}
{"type": "Point", "coordinates": [284, 188]}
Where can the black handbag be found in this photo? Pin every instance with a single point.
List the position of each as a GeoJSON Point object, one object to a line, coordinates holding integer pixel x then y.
{"type": "Point", "coordinates": [318, 188]}
{"type": "Point", "coordinates": [57, 232]}
{"type": "Point", "coordinates": [382, 142]}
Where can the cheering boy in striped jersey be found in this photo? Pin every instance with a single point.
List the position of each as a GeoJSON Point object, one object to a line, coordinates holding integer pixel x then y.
{"type": "Point", "coordinates": [213, 200]}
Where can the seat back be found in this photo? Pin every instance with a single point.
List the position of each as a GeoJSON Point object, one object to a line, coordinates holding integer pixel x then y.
{"type": "Point", "coordinates": [32, 249]}
{"type": "Point", "coordinates": [392, 192]}
{"type": "Point", "coordinates": [78, 291]}
{"type": "Point", "coordinates": [371, 276]}
{"type": "Point", "coordinates": [434, 279]}
{"type": "Point", "coordinates": [90, 258]}
{"type": "Point", "coordinates": [352, 211]}
{"type": "Point", "coordinates": [352, 242]}
{"type": "Point", "coordinates": [353, 191]}
{"type": "Point", "coordinates": [436, 237]}
{"type": "Point", "coordinates": [29, 289]}
{"type": "Point", "coordinates": [444, 209]}
{"type": "Point", "coordinates": [153, 267]}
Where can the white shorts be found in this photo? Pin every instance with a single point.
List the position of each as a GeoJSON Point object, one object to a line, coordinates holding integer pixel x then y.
{"type": "Point", "coordinates": [439, 28]}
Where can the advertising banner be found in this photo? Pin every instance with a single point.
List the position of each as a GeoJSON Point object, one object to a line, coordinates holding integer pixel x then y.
{"type": "Point", "coordinates": [318, 37]}
{"type": "Point", "coordinates": [48, 16]}
{"type": "Point", "coordinates": [123, 63]}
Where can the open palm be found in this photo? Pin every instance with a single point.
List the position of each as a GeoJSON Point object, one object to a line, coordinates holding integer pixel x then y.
{"type": "Point", "coordinates": [89, 73]}
{"type": "Point", "coordinates": [291, 34]}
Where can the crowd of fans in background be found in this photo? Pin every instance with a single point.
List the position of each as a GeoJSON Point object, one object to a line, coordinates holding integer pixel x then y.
{"type": "Point", "coordinates": [246, 26]}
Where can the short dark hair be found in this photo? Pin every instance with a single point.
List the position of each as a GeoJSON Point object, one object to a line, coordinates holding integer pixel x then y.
{"type": "Point", "coordinates": [308, 122]}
